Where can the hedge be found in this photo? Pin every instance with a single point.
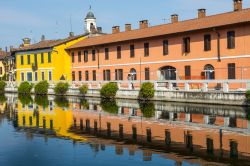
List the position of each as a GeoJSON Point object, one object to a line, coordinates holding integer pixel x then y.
{"type": "Point", "coordinates": [83, 89]}
{"type": "Point", "coordinates": [41, 88]}
{"type": "Point", "coordinates": [2, 86]}
{"type": "Point", "coordinates": [109, 90]}
{"type": "Point", "coordinates": [147, 91]}
{"type": "Point", "coordinates": [61, 88]}
{"type": "Point", "coordinates": [25, 88]}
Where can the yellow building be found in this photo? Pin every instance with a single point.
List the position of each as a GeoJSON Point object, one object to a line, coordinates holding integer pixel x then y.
{"type": "Point", "coordinates": [45, 60]}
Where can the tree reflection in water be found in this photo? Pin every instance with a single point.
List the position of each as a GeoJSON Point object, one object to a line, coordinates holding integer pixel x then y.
{"type": "Point", "coordinates": [42, 101]}
{"type": "Point", "coordinates": [109, 106]}
{"type": "Point", "coordinates": [62, 102]}
{"type": "Point", "coordinates": [147, 109]}
{"type": "Point", "coordinates": [84, 104]}
{"type": "Point", "coordinates": [25, 99]}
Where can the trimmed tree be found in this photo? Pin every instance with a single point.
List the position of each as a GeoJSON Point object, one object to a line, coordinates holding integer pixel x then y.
{"type": "Point", "coordinates": [83, 89]}
{"type": "Point", "coordinates": [61, 88]}
{"type": "Point", "coordinates": [147, 91]}
{"type": "Point", "coordinates": [109, 90]}
{"type": "Point", "coordinates": [25, 88]}
{"type": "Point", "coordinates": [41, 88]}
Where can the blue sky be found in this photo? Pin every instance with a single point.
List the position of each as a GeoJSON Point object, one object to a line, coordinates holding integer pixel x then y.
{"type": "Point", "coordinates": [33, 18]}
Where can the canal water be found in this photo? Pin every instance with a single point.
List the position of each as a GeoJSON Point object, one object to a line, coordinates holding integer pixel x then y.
{"type": "Point", "coordinates": [38, 131]}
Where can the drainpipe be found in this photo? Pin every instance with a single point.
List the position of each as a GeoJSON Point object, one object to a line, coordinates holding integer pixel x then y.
{"type": "Point", "coordinates": [218, 45]}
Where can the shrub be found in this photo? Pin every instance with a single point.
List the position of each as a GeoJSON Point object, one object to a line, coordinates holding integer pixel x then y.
{"type": "Point", "coordinates": [147, 91]}
{"type": "Point", "coordinates": [41, 88]}
{"type": "Point", "coordinates": [248, 95]}
{"type": "Point", "coordinates": [109, 90]}
{"type": "Point", "coordinates": [147, 109]}
{"type": "Point", "coordinates": [61, 88]}
{"type": "Point", "coordinates": [83, 89]}
{"type": "Point", "coordinates": [62, 101]}
{"type": "Point", "coordinates": [2, 86]}
{"type": "Point", "coordinates": [42, 101]}
{"type": "Point", "coordinates": [3, 99]}
{"type": "Point", "coordinates": [25, 88]}
{"type": "Point", "coordinates": [109, 106]}
{"type": "Point", "coordinates": [25, 99]}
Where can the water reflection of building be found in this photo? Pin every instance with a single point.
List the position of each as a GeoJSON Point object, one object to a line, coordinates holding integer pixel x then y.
{"type": "Point", "coordinates": [51, 118]}
{"type": "Point", "coordinates": [212, 132]}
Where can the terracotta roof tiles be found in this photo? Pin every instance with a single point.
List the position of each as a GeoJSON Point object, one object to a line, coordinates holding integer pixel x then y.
{"type": "Point", "coordinates": [218, 20]}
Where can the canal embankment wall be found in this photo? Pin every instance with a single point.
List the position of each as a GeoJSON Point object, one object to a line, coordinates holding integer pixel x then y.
{"type": "Point", "coordinates": [211, 97]}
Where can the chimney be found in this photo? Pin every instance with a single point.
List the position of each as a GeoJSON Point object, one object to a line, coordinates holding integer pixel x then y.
{"type": "Point", "coordinates": [143, 24]}
{"type": "Point", "coordinates": [71, 34]}
{"type": "Point", "coordinates": [127, 27]}
{"type": "Point", "coordinates": [201, 13]}
{"type": "Point", "coordinates": [42, 38]}
{"type": "Point", "coordinates": [237, 5]}
{"type": "Point", "coordinates": [26, 41]}
{"type": "Point", "coordinates": [115, 29]}
{"type": "Point", "coordinates": [174, 18]}
{"type": "Point", "coordinates": [11, 48]}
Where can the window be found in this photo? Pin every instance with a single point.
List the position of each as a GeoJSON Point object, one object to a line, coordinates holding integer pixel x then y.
{"type": "Point", "coordinates": [79, 75]}
{"type": "Point", "coordinates": [231, 71]}
{"type": "Point", "coordinates": [106, 75]}
{"type": "Point", "coordinates": [147, 73]}
{"type": "Point", "coordinates": [132, 75]}
{"type": "Point", "coordinates": [118, 74]}
{"type": "Point", "coordinates": [79, 56]}
{"type": "Point", "coordinates": [146, 49]}
{"type": "Point", "coordinates": [50, 75]}
{"type": "Point", "coordinates": [35, 58]}
{"type": "Point", "coordinates": [188, 72]}
{"type": "Point", "coordinates": [42, 58]}
{"type": "Point", "coordinates": [94, 75]}
{"type": "Point", "coordinates": [49, 57]}
{"type": "Point", "coordinates": [119, 53]}
{"type": "Point", "coordinates": [86, 56]}
{"type": "Point", "coordinates": [207, 42]}
{"type": "Point", "coordinates": [73, 57]}
{"type": "Point", "coordinates": [29, 76]}
{"type": "Point", "coordinates": [28, 57]}
{"type": "Point", "coordinates": [22, 76]}
{"type": "Point", "coordinates": [36, 76]}
{"type": "Point", "coordinates": [21, 60]}
{"type": "Point", "coordinates": [87, 75]}
{"type": "Point", "coordinates": [73, 76]}
{"type": "Point", "coordinates": [209, 72]}
{"type": "Point", "coordinates": [132, 51]}
{"type": "Point", "coordinates": [93, 55]}
{"type": "Point", "coordinates": [43, 76]}
{"type": "Point", "coordinates": [186, 45]}
{"type": "Point", "coordinates": [106, 53]}
{"type": "Point", "coordinates": [149, 135]}
{"type": "Point", "coordinates": [230, 39]}
{"type": "Point", "coordinates": [165, 47]}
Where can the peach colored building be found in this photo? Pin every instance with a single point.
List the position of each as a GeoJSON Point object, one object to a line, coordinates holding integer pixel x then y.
{"type": "Point", "coordinates": [206, 47]}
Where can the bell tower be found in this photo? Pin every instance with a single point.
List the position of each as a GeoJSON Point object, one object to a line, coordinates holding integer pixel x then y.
{"type": "Point", "coordinates": [90, 22]}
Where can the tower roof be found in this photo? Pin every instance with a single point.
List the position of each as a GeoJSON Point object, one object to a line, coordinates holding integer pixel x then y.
{"type": "Point", "coordinates": [90, 15]}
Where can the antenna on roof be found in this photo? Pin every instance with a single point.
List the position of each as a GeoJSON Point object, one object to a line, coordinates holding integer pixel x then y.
{"type": "Point", "coordinates": [89, 7]}
{"type": "Point", "coordinates": [70, 21]}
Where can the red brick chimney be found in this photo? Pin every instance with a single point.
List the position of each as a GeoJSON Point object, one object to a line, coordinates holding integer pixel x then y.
{"type": "Point", "coordinates": [115, 29]}
{"type": "Point", "coordinates": [127, 27]}
{"type": "Point", "coordinates": [174, 18]}
{"type": "Point", "coordinates": [237, 5]}
{"type": "Point", "coordinates": [201, 13]}
{"type": "Point", "coordinates": [143, 24]}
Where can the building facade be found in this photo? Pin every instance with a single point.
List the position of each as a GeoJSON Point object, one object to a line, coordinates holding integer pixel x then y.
{"type": "Point", "coordinates": [7, 66]}
{"type": "Point", "coordinates": [207, 47]}
{"type": "Point", "coordinates": [45, 60]}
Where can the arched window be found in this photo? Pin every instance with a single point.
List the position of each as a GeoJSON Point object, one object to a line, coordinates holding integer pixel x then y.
{"type": "Point", "coordinates": [168, 72]}
{"type": "Point", "coordinates": [209, 72]}
{"type": "Point", "coordinates": [132, 75]}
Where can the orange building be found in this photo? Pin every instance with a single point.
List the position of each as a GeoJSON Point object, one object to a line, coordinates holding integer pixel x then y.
{"type": "Point", "coordinates": [207, 47]}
